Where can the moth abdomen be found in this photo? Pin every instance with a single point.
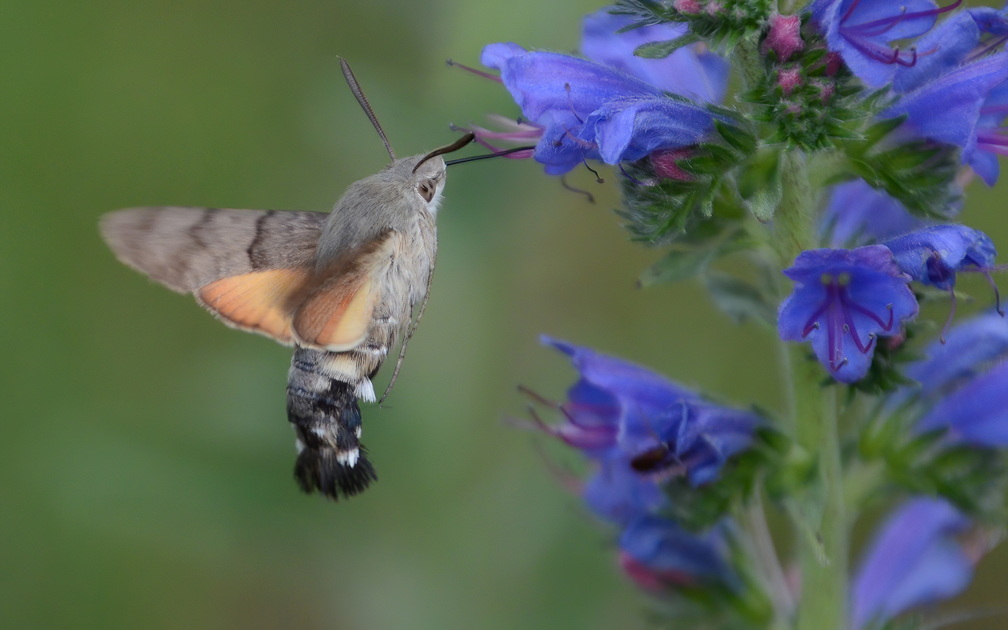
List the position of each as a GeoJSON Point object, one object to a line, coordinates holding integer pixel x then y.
{"type": "Point", "coordinates": [322, 391]}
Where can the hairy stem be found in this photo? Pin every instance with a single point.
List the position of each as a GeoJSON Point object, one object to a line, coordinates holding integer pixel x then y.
{"type": "Point", "coordinates": [821, 509]}
{"type": "Point", "coordinates": [823, 558]}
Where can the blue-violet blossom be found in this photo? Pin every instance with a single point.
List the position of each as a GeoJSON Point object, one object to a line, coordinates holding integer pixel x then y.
{"type": "Point", "coordinates": [956, 92]}
{"type": "Point", "coordinates": [658, 555]}
{"type": "Point", "coordinates": [934, 254]}
{"type": "Point", "coordinates": [861, 31]}
{"type": "Point", "coordinates": [843, 300]}
{"type": "Point", "coordinates": [969, 349]}
{"type": "Point", "coordinates": [640, 426]}
{"type": "Point", "coordinates": [614, 109]}
{"type": "Point", "coordinates": [964, 107]}
{"type": "Point", "coordinates": [858, 214]}
{"type": "Point", "coordinates": [976, 413]}
{"type": "Point", "coordinates": [914, 560]}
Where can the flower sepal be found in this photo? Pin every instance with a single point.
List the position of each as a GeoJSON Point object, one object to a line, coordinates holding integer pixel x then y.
{"type": "Point", "coordinates": [670, 195]}
{"type": "Point", "coordinates": [721, 25]}
{"type": "Point", "coordinates": [700, 507]}
{"type": "Point", "coordinates": [664, 48]}
{"type": "Point", "coordinates": [918, 173]}
{"type": "Point", "coordinates": [973, 479]}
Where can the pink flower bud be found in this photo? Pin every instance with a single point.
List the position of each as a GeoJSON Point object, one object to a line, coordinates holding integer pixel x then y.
{"type": "Point", "coordinates": [784, 37]}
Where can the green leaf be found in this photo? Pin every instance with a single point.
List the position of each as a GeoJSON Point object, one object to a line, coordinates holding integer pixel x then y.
{"type": "Point", "coordinates": [662, 49]}
{"type": "Point", "coordinates": [677, 265]}
{"type": "Point", "coordinates": [880, 129]}
{"type": "Point", "coordinates": [759, 185]}
{"type": "Point", "coordinates": [740, 300]}
{"type": "Point", "coordinates": [742, 140]}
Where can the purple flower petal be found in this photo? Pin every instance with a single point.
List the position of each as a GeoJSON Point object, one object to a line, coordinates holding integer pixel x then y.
{"type": "Point", "coordinates": [969, 348]}
{"type": "Point", "coordinates": [843, 300]}
{"type": "Point", "coordinates": [861, 32]}
{"type": "Point", "coordinates": [950, 108]}
{"type": "Point", "coordinates": [914, 560]}
{"type": "Point", "coordinates": [976, 413]}
{"type": "Point", "coordinates": [665, 548]}
{"type": "Point", "coordinates": [589, 110]}
{"type": "Point", "coordinates": [941, 50]}
{"type": "Point", "coordinates": [623, 415]}
{"type": "Point", "coordinates": [618, 494]}
{"type": "Point", "coordinates": [991, 136]}
{"type": "Point", "coordinates": [693, 73]}
{"type": "Point", "coordinates": [934, 254]}
{"type": "Point", "coordinates": [629, 129]}
{"type": "Point", "coordinates": [858, 214]}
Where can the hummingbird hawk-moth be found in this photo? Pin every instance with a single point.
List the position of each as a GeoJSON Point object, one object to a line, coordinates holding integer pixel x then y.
{"type": "Point", "coordinates": [342, 288]}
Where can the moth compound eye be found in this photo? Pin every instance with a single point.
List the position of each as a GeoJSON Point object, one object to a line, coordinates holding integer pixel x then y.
{"type": "Point", "coordinates": [426, 189]}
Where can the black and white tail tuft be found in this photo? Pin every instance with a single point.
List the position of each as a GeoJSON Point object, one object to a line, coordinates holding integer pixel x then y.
{"type": "Point", "coordinates": [327, 421]}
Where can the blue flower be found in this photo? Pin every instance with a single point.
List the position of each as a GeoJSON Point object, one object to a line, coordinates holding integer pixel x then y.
{"type": "Point", "coordinates": [843, 300]}
{"type": "Point", "coordinates": [610, 396]}
{"type": "Point", "coordinates": [968, 350]}
{"type": "Point", "coordinates": [592, 111]}
{"type": "Point", "coordinates": [934, 254]}
{"type": "Point", "coordinates": [947, 46]}
{"type": "Point", "coordinates": [861, 32]}
{"type": "Point", "coordinates": [858, 214]}
{"type": "Point", "coordinates": [955, 389]}
{"type": "Point", "coordinates": [964, 107]}
{"type": "Point", "coordinates": [614, 108]}
{"type": "Point", "coordinates": [658, 554]}
{"type": "Point", "coordinates": [914, 560]}
{"type": "Point", "coordinates": [991, 135]}
{"type": "Point", "coordinates": [976, 413]}
{"type": "Point", "coordinates": [956, 92]}
{"type": "Point", "coordinates": [619, 494]}
{"type": "Point", "coordinates": [992, 21]}
{"type": "Point", "coordinates": [640, 426]}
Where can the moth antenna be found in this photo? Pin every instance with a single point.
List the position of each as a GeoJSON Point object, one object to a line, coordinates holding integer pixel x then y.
{"type": "Point", "coordinates": [365, 105]}
{"type": "Point", "coordinates": [473, 158]}
{"type": "Point", "coordinates": [451, 148]}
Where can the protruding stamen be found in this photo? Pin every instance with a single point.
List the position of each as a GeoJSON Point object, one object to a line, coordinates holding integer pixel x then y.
{"type": "Point", "coordinates": [948, 320]}
{"type": "Point", "coordinates": [481, 73]}
{"type": "Point", "coordinates": [570, 102]}
{"type": "Point", "coordinates": [598, 178]}
{"type": "Point", "coordinates": [567, 186]}
{"type": "Point", "coordinates": [997, 292]}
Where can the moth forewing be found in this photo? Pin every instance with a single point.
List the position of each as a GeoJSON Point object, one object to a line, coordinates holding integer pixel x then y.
{"type": "Point", "coordinates": [187, 248]}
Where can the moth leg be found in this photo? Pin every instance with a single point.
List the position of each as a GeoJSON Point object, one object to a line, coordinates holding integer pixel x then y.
{"type": "Point", "coordinates": [409, 333]}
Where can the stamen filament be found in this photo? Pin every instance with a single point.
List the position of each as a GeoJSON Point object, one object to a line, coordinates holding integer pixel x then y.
{"type": "Point", "coordinates": [485, 75]}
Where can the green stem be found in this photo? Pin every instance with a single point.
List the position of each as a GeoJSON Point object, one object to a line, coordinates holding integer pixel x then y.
{"type": "Point", "coordinates": [823, 557]}
{"type": "Point", "coordinates": [821, 506]}
{"type": "Point", "coordinates": [794, 221]}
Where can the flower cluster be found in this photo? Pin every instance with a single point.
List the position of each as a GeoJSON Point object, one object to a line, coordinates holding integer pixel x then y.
{"type": "Point", "coordinates": [642, 430]}
{"type": "Point", "coordinates": [821, 198]}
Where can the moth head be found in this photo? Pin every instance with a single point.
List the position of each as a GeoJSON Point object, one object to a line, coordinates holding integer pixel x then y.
{"type": "Point", "coordinates": [428, 172]}
{"type": "Point", "coordinates": [424, 177]}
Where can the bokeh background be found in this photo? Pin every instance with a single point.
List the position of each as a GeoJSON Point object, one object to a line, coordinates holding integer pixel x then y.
{"type": "Point", "coordinates": [145, 457]}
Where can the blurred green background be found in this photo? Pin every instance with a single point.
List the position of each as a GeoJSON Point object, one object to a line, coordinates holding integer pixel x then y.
{"type": "Point", "coordinates": [146, 458]}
